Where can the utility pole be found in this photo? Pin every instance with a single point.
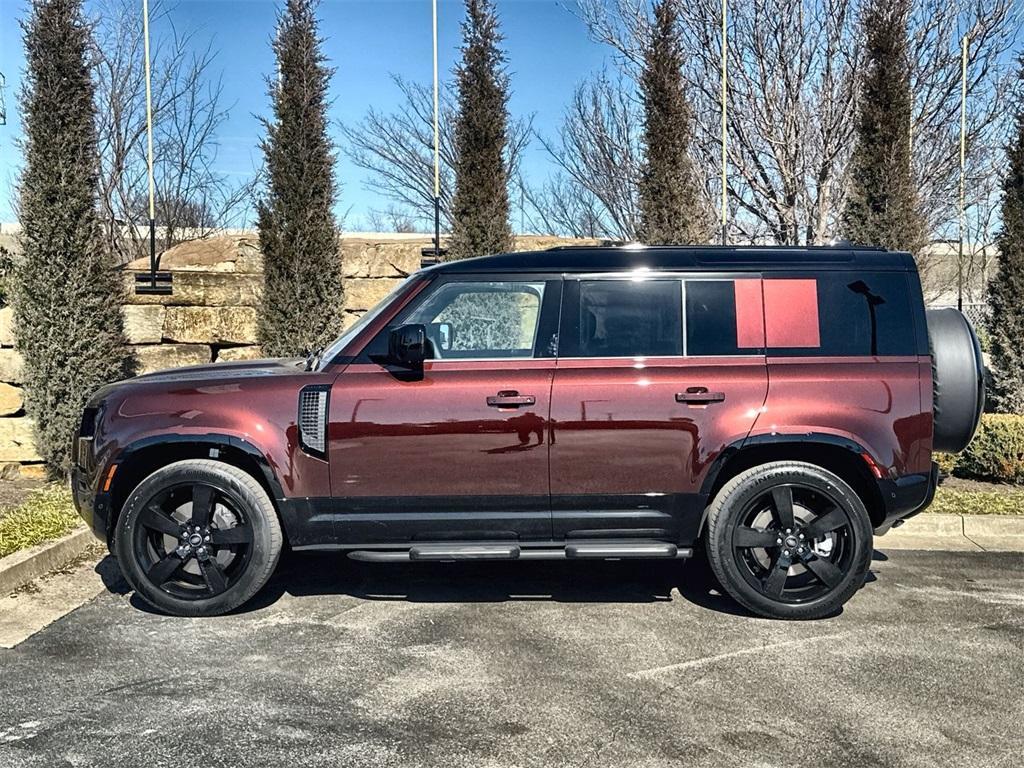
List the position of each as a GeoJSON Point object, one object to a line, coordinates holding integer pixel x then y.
{"type": "Point", "coordinates": [3, 103]}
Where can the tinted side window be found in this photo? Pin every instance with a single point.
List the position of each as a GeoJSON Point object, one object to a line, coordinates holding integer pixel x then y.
{"type": "Point", "coordinates": [623, 318]}
{"type": "Point", "coordinates": [724, 317]}
{"type": "Point", "coordinates": [842, 314]}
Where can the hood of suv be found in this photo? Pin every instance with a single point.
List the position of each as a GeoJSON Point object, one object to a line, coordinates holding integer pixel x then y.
{"type": "Point", "coordinates": [240, 369]}
{"type": "Point", "coordinates": [220, 372]}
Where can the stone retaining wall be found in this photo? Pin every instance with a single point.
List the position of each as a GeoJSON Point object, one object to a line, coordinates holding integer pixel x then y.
{"type": "Point", "coordinates": [211, 315]}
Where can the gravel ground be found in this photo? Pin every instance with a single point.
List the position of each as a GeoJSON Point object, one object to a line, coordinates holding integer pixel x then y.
{"type": "Point", "coordinates": [531, 664]}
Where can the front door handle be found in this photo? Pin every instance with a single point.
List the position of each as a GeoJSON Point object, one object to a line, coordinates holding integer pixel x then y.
{"type": "Point", "coordinates": [699, 396]}
{"type": "Point", "coordinates": [510, 399]}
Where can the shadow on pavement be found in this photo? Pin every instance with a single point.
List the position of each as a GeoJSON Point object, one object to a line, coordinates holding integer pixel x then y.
{"type": "Point", "coordinates": [302, 574]}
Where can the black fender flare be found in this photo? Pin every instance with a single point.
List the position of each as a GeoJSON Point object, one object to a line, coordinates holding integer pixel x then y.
{"type": "Point", "coordinates": [210, 440]}
{"type": "Point", "coordinates": [803, 439]}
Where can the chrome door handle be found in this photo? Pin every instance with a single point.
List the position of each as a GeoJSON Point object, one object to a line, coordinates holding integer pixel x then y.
{"type": "Point", "coordinates": [699, 396]}
{"type": "Point", "coordinates": [510, 399]}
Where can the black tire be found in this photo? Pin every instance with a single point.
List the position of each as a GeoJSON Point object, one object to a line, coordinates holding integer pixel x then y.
{"type": "Point", "coordinates": [778, 574]}
{"type": "Point", "coordinates": [198, 538]}
{"type": "Point", "coordinates": [958, 379]}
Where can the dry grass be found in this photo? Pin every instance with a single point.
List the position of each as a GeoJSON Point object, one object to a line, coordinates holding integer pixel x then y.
{"type": "Point", "coordinates": [46, 514]}
{"type": "Point", "coordinates": [954, 501]}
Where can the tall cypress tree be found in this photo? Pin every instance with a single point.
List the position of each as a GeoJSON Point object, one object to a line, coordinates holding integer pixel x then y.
{"type": "Point", "coordinates": [1006, 289]}
{"type": "Point", "coordinates": [302, 292]}
{"type": "Point", "coordinates": [882, 207]}
{"type": "Point", "coordinates": [480, 206]}
{"type": "Point", "coordinates": [669, 199]}
{"type": "Point", "coordinates": [67, 292]}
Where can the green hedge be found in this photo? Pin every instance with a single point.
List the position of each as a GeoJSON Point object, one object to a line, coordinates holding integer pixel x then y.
{"type": "Point", "coordinates": [996, 454]}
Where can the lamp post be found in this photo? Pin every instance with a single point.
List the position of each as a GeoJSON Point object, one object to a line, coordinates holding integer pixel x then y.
{"type": "Point", "coordinates": [149, 138]}
{"type": "Point", "coordinates": [437, 149]}
{"type": "Point", "coordinates": [963, 181]}
{"type": "Point", "coordinates": [725, 135]}
{"type": "Point", "coordinates": [155, 282]}
{"type": "Point", "coordinates": [433, 255]}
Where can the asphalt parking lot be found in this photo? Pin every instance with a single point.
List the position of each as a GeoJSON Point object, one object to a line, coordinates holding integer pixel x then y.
{"type": "Point", "coordinates": [531, 664]}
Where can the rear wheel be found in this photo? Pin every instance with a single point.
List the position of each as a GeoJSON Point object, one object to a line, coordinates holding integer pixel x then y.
{"type": "Point", "coordinates": [789, 540]}
{"type": "Point", "coordinates": [198, 538]}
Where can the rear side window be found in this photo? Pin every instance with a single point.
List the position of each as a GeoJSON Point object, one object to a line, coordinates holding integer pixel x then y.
{"type": "Point", "coordinates": [840, 314]}
{"type": "Point", "coordinates": [724, 317]}
{"type": "Point", "coordinates": [623, 318]}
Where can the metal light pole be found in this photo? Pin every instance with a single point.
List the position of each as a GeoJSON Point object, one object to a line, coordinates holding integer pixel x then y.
{"type": "Point", "coordinates": [148, 136]}
{"type": "Point", "coordinates": [437, 151]}
{"type": "Point", "coordinates": [150, 285]}
{"type": "Point", "coordinates": [725, 135]}
{"type": "Point", "coordinates": [963, 165]}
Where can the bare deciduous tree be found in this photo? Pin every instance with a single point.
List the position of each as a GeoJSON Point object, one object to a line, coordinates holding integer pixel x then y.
{"type": "Point", "coordinates": [192, 196]}
{"type": "Point", "coordinates": [792, 99]}
{"type": "Point", "coordinates": [560, 206]}
{"type": "Point", "coordinates": [392, 219]}
{"type": "Point", "coordinates": [598, 159]}
{"type": "Point", "coordinates": [397, 148]}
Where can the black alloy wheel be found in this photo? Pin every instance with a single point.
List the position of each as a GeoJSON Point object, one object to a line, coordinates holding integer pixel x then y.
{"type": "Point", "coordinates": [789, 540]}
{"type": "Point", "coordinates": [192, 541]}
{"type": "Point", "coordinates": [198, 538]}
{"type": "Point", "coordinates": [793, 543]}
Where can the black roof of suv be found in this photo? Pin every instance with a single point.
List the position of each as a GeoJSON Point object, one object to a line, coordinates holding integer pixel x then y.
{"type": "Point", "coordinates": [615, 258]}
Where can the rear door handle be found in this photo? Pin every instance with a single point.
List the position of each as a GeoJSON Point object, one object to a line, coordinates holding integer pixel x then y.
{"type": "Point", "coordinates": [510, 399]}
{"type": "Point", "coordinates": [699, 396]}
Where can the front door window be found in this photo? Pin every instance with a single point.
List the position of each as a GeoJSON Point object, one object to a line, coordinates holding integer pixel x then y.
{"type": "Point", "coordinates": [481, 320]}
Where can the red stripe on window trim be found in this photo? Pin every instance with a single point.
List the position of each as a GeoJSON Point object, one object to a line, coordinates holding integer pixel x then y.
{"type": "Point", "coordinates": [749, 314]}
{"type": "Point", "coordinates": [791, 313]}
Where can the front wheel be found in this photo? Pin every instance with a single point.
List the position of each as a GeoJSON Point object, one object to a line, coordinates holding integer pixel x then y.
{"type": "Point", "coordinates": [198, 538]}
{"type": "Point", "coordinates": [789, 540]}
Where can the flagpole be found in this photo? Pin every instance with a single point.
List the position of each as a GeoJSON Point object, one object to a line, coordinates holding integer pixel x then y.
{"type": "Point", "coordinates": [725, 205]}
{"type": "Point", "coordinates": [437, 149]}
{"type": "Point", "coordinates": [149, 142]}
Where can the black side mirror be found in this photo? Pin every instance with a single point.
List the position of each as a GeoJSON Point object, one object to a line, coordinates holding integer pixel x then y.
{"type": "Point", "coordinates": [407, 345]}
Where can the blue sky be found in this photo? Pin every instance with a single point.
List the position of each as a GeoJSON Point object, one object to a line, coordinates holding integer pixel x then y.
{"type": "Point", "coordinates": [547, 46]}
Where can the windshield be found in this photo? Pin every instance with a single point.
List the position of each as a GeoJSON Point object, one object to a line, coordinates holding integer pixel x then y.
{"type": "Point", "coordinates": [335, 347]}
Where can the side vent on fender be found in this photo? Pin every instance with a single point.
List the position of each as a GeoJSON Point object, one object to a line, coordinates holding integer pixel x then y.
{"type": "Point", "coordinates": [313, 419]}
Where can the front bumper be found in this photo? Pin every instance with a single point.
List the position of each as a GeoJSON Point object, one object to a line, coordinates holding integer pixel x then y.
{"type": "Point", "coordinates": [906, 496]}
{"type": "Point", "coordinates": [92, 505]}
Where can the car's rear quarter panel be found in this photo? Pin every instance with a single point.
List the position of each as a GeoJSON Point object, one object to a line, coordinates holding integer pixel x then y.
{"type": "Point", "coordinates": [882, 404]}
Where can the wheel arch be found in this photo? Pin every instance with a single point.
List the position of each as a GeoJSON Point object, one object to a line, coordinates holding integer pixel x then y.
{"type": "Point", "coordinates": [140, 459]}
{"type": "Point", "coordinates": [841, 456]}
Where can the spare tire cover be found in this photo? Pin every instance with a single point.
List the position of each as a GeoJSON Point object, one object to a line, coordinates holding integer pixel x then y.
{"type": "Point", "coordinates": [958, 379]}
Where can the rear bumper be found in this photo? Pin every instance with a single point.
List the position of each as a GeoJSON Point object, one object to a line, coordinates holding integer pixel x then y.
{"type": "Point", "coordinates": [907, 496]}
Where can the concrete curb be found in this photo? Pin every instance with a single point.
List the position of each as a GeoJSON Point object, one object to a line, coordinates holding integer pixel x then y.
{"type": "Point", "coordinates": [977, 533]}
{"type": "Point", "coordinates": [18, 569]}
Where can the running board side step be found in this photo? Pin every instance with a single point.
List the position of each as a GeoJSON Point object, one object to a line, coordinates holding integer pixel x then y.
{"type": "Point", "coordinates": [600, 549]}
{"type": "Point", "coordinates": [581, 550]}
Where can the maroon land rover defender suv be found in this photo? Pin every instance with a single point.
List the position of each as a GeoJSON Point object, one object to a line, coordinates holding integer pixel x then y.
{"type": "Point", "coordinates": [775, 407]}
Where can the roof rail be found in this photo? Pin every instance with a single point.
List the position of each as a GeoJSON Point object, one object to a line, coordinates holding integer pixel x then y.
{"type": "Point", "coordinates": [620, 244]}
